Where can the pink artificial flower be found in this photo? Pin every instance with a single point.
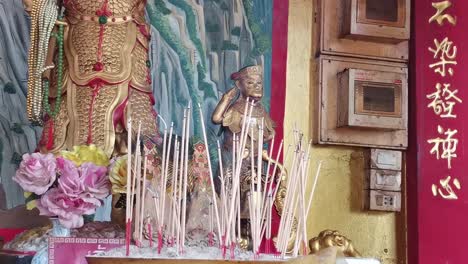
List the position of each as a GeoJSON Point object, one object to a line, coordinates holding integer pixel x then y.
{"type": "Point", "coordinates": [36, 172]}
{"type": "Point", "coordinates": [69, 181]}
{"type": "Point", "coordinates": [95, 180]}
{"type": "Point", "coordinates": [69, 210]}
{"type": "Point", "coordinates": [87, 181]}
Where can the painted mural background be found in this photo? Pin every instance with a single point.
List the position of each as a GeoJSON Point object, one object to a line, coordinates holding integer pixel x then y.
{"type": "Point", "coordinates": [195, 46]}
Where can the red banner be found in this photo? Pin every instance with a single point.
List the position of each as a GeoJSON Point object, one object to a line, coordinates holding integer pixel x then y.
{"type": "Point", "coordinates": [439, 215]}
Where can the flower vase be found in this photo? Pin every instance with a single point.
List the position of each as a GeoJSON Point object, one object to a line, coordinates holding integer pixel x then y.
{"type": "Point", "coordinates": [58, 230]}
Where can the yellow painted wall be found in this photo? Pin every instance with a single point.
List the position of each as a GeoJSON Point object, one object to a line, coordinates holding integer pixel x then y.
{"type": "Point", "coordinates": [338, 203]}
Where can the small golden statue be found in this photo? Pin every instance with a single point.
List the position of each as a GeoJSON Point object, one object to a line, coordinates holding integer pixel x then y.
{"type": "Point", "coordinates": [330, 238]}
{"type": "Point", "coordinates": [249, 82]}
{"type": "Point", "coordinates": [229, 113]}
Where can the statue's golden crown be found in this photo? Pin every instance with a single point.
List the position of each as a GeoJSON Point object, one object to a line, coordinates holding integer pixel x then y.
{"type": "Point", "coordinates": [246, 71]}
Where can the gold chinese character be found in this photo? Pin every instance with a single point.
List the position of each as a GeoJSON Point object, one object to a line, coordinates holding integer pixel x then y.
{"type": "Point", "coordinates": [446, 53]}
{"type": "Point", "coordinates": [439, 16]}
{"type": "Point", "coordinates": [447, 192]}
{"type": "Point", "coordinates": [443, 101]}
{"type": "Point", "coordinates": [448, 145]}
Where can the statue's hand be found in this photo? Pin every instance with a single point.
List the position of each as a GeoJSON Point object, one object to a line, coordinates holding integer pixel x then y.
{"type": "Point", "coordinates": [231, 94]}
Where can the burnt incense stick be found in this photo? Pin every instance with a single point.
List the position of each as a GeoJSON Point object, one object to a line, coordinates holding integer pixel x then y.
{"type": "Point", "coordinates": [137, 195]}
{"type": "Point", "coordinates": [222, 227]}
{"type": "Point", "coordinates": [314, 185]}
{"type": "Point", "coordinates": [302, 198]}
{"type": "Point", "coordinates": [252, 190]}
{"type": "Point", "coordinates": [184, 198]}
{"type": "Point", "coordinates": [174, 191]}
{"type": "Point", "coordinates": [235, 157]}
{"type": "Point", "coordinates": [143, 192]}
{"type": "Point", "coordinates": [259, 186]}
{"type": "Point", "coordinates": [207, 147]}
{"type": "Point", "coordinates": [164, 182]}
{"type": "Point", "coordinates": [181, 178]}
{"type": "Point", "coordinates": [161, 175]}
{"type": "Point", "coordinates": [267, 172]}
{"type": "Point", "coordinates": [137, 149]}
{"type": "Point", "coordinates": [128, 218]}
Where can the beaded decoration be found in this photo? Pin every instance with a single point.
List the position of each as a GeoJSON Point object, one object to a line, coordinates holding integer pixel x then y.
{"type": "Point", "coordinates": [58, 101]}
{"type": "Point", "coordinates": [43, 17]}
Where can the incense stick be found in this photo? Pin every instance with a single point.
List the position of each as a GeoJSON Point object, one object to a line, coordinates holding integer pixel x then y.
{"type": "Point", "coordinates": [164, 182]}
{"type": "Point", "coordinates": [210, 170]}
{"type": "Point", "coordinates": [174, 189]}
{"type": "Point", "coordinates": [181, 178]}
{"type": "Point", "coordinates": [161, 175]}
{"type": "Point", "coordinates": [128, 191]}
{"type": "Point", "coordinates": [221, 225]}
{"type": "Point", "coordinates": [140, 232]}
{"type": "Point", "coordinates": [137, 148]}
{"type": "Point", "coordinates": [137, 195]}
{"type": "Point", "coordinates": [317, 174]}
{"type": "Point", "coordinates": [184, 198]}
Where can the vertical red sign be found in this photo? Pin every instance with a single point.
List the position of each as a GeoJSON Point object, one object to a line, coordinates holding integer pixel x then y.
{"type": "Point", "coordinates": [440, 104]}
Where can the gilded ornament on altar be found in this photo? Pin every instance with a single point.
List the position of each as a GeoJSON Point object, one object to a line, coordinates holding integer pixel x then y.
{"type": "Point", "coordinates": [330, 238]}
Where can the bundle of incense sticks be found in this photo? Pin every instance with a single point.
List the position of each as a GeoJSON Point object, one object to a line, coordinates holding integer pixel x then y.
{"type": "Point", "coordinates": [142, 199]}
{"type": "Point", "coordinates": [296, 203]}
{"type": "Point", "coordinates": [214, 200]}
{"type": "Point", "coordinates": [160, 184]}
{"type": "Point", "coordinates": [261, 197]}
{"type": "Point", "coordinates": [179, 182]}
{"type": "Point", "coordinates": [224, 212]}
{"type": "Point", "coordinates": [131, 181]}
{"type": "Point", "coordinates": [233, 207]}
{"type": "Point", "coordinates": [128, 217]}
{"type": "Point", "coordinates": [137, 191]}
{"type": "Point", "coordinates": [255, 195]}
{"type": "Point", "coordinates": [223, 201]}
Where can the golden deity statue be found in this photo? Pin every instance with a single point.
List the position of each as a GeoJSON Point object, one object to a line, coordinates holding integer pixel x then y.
{"type": "Point", "coordinates": [89, 72]}
{"type": "Point", "coordinates": [229, 113]}
{"type": "Point", "coordinates": [249, 82]}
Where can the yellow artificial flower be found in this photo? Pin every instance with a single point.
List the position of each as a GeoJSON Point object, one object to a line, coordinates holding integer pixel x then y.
{"type": "Point", "coordinates": [31, 205]}
{"type": "Point", "coordinates": [118, 175]}
{"type": "Point", "coordinates": [86, 153]}
{"type": "Point", "coordinates": [31, 202]}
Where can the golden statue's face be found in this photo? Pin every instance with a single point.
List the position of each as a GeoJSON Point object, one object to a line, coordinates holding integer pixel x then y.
{"type": "Point", "coordinates": [251, 86]}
